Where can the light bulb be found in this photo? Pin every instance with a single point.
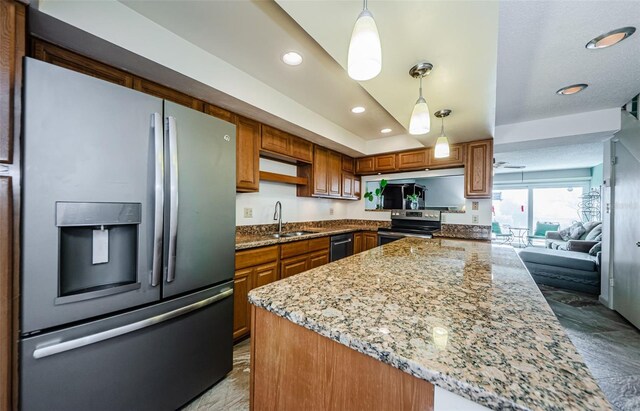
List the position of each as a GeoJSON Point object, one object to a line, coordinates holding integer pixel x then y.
{"type": "Point", "coordinates": [365, 53]}
{"type": "Point", "coordinates": [420, 122]}
{"type": "Point", "coordinates": [442, 147]}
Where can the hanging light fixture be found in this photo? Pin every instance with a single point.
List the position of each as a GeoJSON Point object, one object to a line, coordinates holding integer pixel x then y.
{"type": "Point", "coordinates": [420, 122]}
{"type": "Point", "coordinates": [442, 143]}
{"type": "Point", "coordinates": [364, 60]}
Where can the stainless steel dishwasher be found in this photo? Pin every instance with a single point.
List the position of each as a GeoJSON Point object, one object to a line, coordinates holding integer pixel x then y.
{"type": "Point", "coordinates": [341, 246]}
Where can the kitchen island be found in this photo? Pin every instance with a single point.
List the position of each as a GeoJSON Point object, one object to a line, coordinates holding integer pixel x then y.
{"type": "Point", "coordinates": [460, 319]}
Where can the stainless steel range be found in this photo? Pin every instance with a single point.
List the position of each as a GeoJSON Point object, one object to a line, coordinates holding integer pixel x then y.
{"type": "Point", "coordinates": [410, 223]}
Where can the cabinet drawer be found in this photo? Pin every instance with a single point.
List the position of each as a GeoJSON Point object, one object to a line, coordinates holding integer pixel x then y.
{"type": "Point", "coordinates": [256, 256]}
{"type": "Point", "coordinates": [294, 248]}
{"type": "Point", "coordinates": [321, 243]}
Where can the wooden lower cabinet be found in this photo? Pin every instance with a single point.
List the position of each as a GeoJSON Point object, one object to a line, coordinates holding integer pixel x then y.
{"type": "Point", "coordinates": [370, 240]}
{"type": "Point", "coordinates": [358, 239]}
{"type": "Point", "coordinates": [318, 258]}
{"type": "Point", "coordinates": [294, 265]}
{"type": "Point", "coordinates": [293, 368]}
{"type": "Point", "coordinates": [254, 268]}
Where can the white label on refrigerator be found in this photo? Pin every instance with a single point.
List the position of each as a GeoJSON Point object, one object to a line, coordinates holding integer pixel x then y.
{"type": "Point", "coordinates": [100, 253]}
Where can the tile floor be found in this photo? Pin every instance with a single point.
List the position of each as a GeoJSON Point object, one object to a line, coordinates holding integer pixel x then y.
{"type": "Point", "coordinates": [608, 343]}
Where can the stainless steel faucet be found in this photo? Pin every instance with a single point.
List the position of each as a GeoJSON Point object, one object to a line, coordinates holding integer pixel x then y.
{"type": "Point", "coordinates": [277, 215]}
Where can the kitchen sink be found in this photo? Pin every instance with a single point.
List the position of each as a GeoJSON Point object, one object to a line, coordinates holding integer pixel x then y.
{"type": "Point", "coordinates": [292, 234]}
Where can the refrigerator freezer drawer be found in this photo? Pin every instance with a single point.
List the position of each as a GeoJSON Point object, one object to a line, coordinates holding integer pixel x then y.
{"type": "Point", "coordinates": [153, 358]}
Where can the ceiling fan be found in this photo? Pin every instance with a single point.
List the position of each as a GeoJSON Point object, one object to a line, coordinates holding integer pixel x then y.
{"type": "Point", "coordinates": [504, 164]}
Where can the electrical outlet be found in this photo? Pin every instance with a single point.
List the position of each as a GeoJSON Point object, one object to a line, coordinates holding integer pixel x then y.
{"type": "Point", "coordinates": [474, 205]}
{"type": "Point", "coordinates": [474, 219]}
{"type": "Point", "coordinates": [248, 212]}
{"type": "Point", "coordinates": [331, 211]}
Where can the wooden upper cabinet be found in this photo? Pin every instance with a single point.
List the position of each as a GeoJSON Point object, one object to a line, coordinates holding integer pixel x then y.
{"type": "Point", "coordinates": [275, 141]}
{"type": "Point", "coordinates": [320, 171]}
{"type": "Point", "coordinates": [278, 142]}
{"type": "Point", "coordinates": [334, 167]}
{"type": "Point", "coordinates": [158, 90]}
{"type": "Point", "coordinates": [347, 185]}
{"type": "Point", "coordinates": [456, 157]}
{"type": "Point", "coordinates": [221, 113]}
{"type": "Point", "coordinates": [357, 187]}
{"type": "Point", "coordinates": [247, 155]}
{"type": "Point", "coordinates": [347, 164]}
{"type": "Point", "coordinates": [385, 162]}
{"type": "Point", "coordinates": [301, 149]}
{"type": "Point", "coordinates": [364, 165]}
{"type": "Point", "coordinates": [44, 51]}
{"type": "Point", "coordinates": [413, 160]}
{"type": "Point", "coordinates": [478, 172]}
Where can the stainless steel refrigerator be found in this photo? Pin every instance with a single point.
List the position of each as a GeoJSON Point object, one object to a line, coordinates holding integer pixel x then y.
{"type": "Point", "coordinates": [128, 246]}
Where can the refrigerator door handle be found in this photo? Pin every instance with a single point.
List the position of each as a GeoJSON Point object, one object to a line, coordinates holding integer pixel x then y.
{"type": "Point", "coordinates": [58, 348]}
{"type": "Point", "coordinates": [173, 198]}
{"type": "Point", "coordinates": [156, 273]}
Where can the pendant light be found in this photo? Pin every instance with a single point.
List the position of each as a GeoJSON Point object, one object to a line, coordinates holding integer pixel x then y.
{"type": "Point", "coordinates": [442, 143]}
{"type": "Point", "coordinates": [420, 122]}
{"type": "Point", "coordinates": [364, 60]}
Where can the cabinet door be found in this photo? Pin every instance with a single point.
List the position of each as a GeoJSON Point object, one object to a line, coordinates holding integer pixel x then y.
{"type": "Point", "coordinates": [265, 274]}
{"type": "Point", "coordinates": [385, 162]}
{"type": "Point", "coordinates": [347, 164]}
{"type": "Point", "coordinates": [275, 141]}
{"type": "Point", "coordinates": [415, 159]}
{"type": "Point", "coordinates": [294, 265]}
{"type": "Point", "coordinates": [478, 174]}
{"type": "Point", "coordinates": [347, 185]}
{"type": "Point", "coordinates": [357, 243]}
{"type": "Point", "coordinates": [221, 113]}
{"type": "Point", "coordinates": [320, 171]}
{"type": "Point", "coordinates": [370, 240]}
{"type": "Point", "coordinates": [318, 258]}
{"type": "Point", "coordinates": [301, 149]}
{"type": "Point", "coordinates": [357, 187]}
{"type": "Point", "coordinates": [247, 155]}
{"type": "Point", "coordinates": [365, 165]}
{"type": "Point", "coordinates": [241, 309]}
{"type": "Point", "coordinates": [155, 89]}
{"type": "Point", "coordinates": [456, 157]}
{"type": "Point", "coordinates": [335, 173]}
{"type": "Point", "coordinates": [60, 57]}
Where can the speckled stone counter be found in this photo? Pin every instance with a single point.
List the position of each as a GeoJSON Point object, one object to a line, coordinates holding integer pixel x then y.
{"type": "Point", "coordinates": [260, 238]}
{"type": "Point", "coordinates": [463, 315]}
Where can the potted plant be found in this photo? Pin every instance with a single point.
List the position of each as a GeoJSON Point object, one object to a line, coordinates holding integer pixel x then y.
{"type": "Point", "coordinates": [413, 198]}
{"type": "Point", "coordinates": [369, 195]}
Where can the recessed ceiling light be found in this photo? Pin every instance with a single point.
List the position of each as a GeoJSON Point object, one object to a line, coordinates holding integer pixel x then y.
{"type": "Point", "coordinates": [358, 109]}
{"type": "Point", "coordinates": [572, 89]}
{"type": "Point", "coordinates": [610, 38]}
{"type": "Point", "coordinates": [292, 58]}
{"type": "Point", "coordinates": [385, 130]}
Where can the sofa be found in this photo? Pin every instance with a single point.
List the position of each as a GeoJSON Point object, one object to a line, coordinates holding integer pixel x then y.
{"type": "Point", "coordinates": [571, 259]}
{"type": "Point", "coordinates": [579, 237]}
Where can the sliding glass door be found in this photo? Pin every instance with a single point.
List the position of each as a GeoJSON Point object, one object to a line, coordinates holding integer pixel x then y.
{"type": "Point", "coordinates": [556, 205]}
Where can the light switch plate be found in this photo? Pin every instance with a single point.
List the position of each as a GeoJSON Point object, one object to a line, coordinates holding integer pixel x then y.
{"type": "Point", "coordinates": [474, 219]}
{"type": "Point", "coordinates": [474, 205]}
{"type": "Point", "coordinates": [331, 211]}
{"type": "Point", "coordinates": [248, 212]}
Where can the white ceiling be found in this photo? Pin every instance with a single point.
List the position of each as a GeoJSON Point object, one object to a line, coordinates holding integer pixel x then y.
{"type": "Point", "coordinates": [458, 37]}
{"type": "Point", "coordinates": [541, 48]}
{"type": "Point", "coordinates": [252, 36]}
{"type": "Point", "coordinates": [557, 157]}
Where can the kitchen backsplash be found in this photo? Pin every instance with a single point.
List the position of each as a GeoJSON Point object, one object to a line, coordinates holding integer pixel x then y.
{"type": "Point", "coordinates": [465, 231]}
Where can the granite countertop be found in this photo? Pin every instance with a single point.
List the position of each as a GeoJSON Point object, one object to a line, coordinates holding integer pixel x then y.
{"type": "Point", "coordinates": [463, 315]}
{"type": "Point", "coordinates": [244, 241]}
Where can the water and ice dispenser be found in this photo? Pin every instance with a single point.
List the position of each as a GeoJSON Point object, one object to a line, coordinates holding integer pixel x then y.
{"type": "Point", "coordinates": [98, 249]}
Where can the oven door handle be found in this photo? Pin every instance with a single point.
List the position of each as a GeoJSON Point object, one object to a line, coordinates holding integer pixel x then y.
{"type": "Point", "coordinates": [402, 235]}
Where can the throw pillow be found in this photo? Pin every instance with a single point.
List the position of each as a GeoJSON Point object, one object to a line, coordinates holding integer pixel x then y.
{"type": "Point", "coordinates": [598, 237]}
{"type": "Point", "coordinates": [572, 232]}
{"type": "Point", "coordinates": [596, 231]}
{"type": "Point", "coordinates": [595, 249]}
